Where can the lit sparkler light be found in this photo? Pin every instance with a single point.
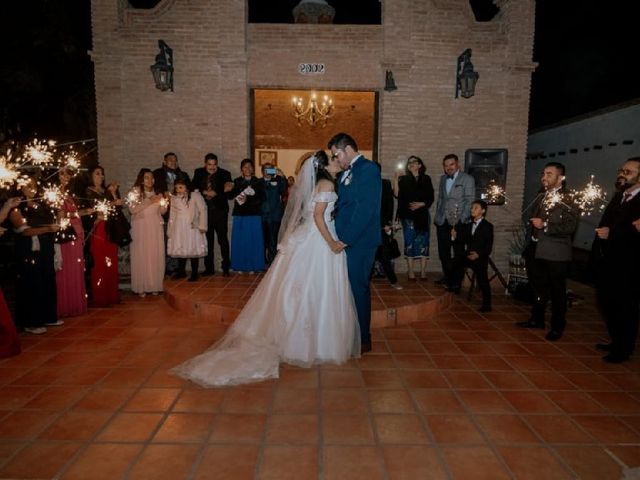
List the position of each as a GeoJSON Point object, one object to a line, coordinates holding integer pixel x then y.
{"type": "Point", "coordinates": [164, 203]}
{"type": "Point", "coordinates": [494, 193]}
{"type": "Point", "coordinates": [133, 197]}
{"type": "Point", "coordinates": [64, 223]}
{"type": "Point", "coordinates": [107, 261]}
{"type": "Point", "coordinates": [592, 197]}
{"type": "Point", "coordinates": [8, 171]}
{"type": "Point", "coordinates": [104, 208]}
{"type": "Point", "coordinates": [53, 196]}
{"type": "Point", "coordinates": [38, 153]}
{"type": "Point", "coordinates": [71, 161]}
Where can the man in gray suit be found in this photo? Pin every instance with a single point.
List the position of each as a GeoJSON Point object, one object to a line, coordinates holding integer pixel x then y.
{"type": "Point", "coordinates": [548, 253]}
{"type": "Point", "coordinates": [457, 191]}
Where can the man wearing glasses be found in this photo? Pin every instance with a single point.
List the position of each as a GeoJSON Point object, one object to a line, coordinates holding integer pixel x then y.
{"type": "Point", "coordinates": [358, 223]}
{"type": "Point", "coordinates": [616, 250]}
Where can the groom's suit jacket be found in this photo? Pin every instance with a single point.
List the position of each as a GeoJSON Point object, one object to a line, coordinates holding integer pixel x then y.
{"type": "Point", "coordinates": [358, 205]}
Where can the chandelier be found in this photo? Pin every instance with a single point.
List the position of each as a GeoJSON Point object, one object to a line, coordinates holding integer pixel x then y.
{"type": "Point", "coordinates": [314, 113]}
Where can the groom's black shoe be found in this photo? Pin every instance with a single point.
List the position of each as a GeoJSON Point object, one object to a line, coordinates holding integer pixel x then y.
{"type": "Point", "coordinates": [365, 347]}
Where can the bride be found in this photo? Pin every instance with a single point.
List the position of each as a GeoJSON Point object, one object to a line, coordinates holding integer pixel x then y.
{"type": "Point", "coordinates": [302, 312]}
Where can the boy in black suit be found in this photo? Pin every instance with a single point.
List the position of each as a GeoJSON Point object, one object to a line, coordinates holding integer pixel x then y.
{"type": "Point", "coordinates": [477, 237]}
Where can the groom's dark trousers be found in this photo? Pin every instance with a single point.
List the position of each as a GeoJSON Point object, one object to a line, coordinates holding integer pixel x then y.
{"type": "Point", "coordinates": [358, 225]}
{"type": "Point", "coordinates": [359, 263]}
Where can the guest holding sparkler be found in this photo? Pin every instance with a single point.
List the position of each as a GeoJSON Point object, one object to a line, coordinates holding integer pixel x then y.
{"type": "Point", "coordinates": [247, 243]}
{"type": "Point", "coordinates": [414, 192]}
{"type": "Point", "coordinates": [187, 229]}
{"type": "Point", "coordinates": [71, 289]}
{"type": "Point", "coordinates": [617, 260]}
{"type": "Point", "coordinates": [103, 253]}
{"type": "Point", "coordinates": [9, 338]}
{"type": "Point", "coordinates": [549, 251]}
{"type": "Point", "coordinates": [36, 278]}
{"type": "Point", "coordinates": [147, 204]}
{"type": "Point", "coordinates": [457, 191]}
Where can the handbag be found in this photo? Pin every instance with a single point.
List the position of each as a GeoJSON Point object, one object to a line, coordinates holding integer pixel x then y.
{"type": "Point", "coordinates": [118, 228]}
{"type": "Point", "coordinates": [394, 248]}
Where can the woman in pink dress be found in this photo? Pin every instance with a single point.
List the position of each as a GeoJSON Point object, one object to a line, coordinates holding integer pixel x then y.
{"type": "Point", "coordinates": [104, 253]}
{"type": "Point", "coordinates": [147, 246]}
{"type": "Point", "coordinates": [72, 298]}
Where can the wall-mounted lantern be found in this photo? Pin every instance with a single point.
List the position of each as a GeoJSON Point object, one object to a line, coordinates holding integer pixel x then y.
{"type": "Point", "coordinates": [162, 70]}
{"type": "Point", "coordinates": [466, 77]}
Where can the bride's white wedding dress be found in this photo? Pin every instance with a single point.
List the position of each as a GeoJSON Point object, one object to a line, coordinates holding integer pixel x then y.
{"type": "Point", "coordinates": [302, 313]}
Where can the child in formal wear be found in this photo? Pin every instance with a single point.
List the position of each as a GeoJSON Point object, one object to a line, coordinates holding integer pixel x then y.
{"type": "Point", "coordinates": [477, 237]}
{"type": "Point", "coordinates": [187, 229]}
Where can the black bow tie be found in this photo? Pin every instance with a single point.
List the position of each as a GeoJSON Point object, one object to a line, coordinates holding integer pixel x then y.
{"type": "Point", "coordinates": [450, 177]}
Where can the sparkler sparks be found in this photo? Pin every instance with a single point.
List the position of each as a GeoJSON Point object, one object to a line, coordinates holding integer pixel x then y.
{"type": "Point", "coordinates": [53, 196]}
{"type": "Point", "coordinates": [9, 174]}
{"type": "Point", "coordinates": [591, 198]}
{"type": "Point", "coordinates": [494, 193]}
{"type": "Point", "coordinates": [38, 153]}
{"type": "Point", "coordinates": [164, 203]}
{"type": "Point", "coordinates": [104, 208]}
{"type": "Point", "coordinates": [133, 197]}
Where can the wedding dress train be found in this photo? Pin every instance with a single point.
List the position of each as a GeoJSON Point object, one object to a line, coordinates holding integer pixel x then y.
{"type": "Point", "coordinates": [302, 313]}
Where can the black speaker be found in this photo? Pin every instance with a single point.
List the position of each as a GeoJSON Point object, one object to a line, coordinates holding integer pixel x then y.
{"type": "Point", "coordinates": [487, 165]}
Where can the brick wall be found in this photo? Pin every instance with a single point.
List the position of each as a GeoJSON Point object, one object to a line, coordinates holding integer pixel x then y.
{"type": "Point", "coordinates": [219, 58]}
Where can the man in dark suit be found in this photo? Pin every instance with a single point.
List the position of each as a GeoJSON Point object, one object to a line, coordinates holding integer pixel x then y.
{"type": "Point", "coordinates": [549, 251]}
{"type": "Point", "coordinates": [457, 191]}
{"type": "Point", "coordinates": [477, 238]}
{"type": "Point", "coordinates": [275, 190]}
{"type": "Point", "coordinates": [358, 223]}
{"type": "Point", "coordinates": [214, 184]}
{"type": "Point", "coordinates": [617, 260]}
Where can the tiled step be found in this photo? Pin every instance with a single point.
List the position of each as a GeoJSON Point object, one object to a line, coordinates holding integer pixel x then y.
{"type": "Point", "coordinates": [221, 298]}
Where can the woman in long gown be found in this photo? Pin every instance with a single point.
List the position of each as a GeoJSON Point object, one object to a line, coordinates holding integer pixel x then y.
{"type": "Point", "coordinates": [72, 298]}
{"type": "Point", "coordinates": [104, 253]}
{"type": "Point", "coordinates": [302, 312]}
{"type": "Point", "coordinates": [147, 245]}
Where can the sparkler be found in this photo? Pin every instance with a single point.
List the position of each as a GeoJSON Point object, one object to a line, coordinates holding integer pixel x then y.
{"type": "Point", "coordinates": [591, 198]}
{"type": "Point", "coordinates": [37, 152]}
{"type": "Point", "coordinates": [133, 197]}
{"type": "Point", "coordinates": [104, 208]}
{"type": "Point", "coordinates": [164, 202]}
{"type": "Point", "coordinates": [8, 172]}
{"type": "Point", "coordinates": [494, 193]}
{"type": "Point", "coordinates": [53, 195]}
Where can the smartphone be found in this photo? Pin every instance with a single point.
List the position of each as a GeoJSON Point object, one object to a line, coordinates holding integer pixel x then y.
{"type": "Point", "coordinates": [270, 171]}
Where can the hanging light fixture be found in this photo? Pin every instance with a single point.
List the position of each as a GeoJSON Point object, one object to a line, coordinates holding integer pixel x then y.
{"type": "Point", "coordinates": [466, 76]}
{"type": "Point", "coordinates": [315, 112]}
{"type": "Point", "coordinates": [162, 70]}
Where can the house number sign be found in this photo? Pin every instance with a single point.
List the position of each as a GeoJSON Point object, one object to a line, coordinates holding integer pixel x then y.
{"type": "Point", "coordinates": [311, 68]}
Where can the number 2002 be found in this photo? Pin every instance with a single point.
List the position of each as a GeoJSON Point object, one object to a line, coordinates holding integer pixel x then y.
{"type": "Point", "coordinates": [311, 68]}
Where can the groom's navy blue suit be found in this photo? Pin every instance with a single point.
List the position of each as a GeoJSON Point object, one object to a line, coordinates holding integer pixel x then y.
{"type": "Point", "coordinates": [358, 225]}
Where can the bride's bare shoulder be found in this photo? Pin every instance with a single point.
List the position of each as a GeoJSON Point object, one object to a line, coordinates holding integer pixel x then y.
{"type": "Point", "coordinates": [325, 186]}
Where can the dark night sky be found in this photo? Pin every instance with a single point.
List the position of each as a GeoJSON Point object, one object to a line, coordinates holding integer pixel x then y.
{"type": "Point", "coordinates": [584, 48]}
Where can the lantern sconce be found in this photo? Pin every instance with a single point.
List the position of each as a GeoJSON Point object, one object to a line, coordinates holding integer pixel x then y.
{"type": "Point", "coordinates": [389, 83]}
{"type": "Point", "coordinates": [466, 77]}
{"type": "Point", "coordinates": [162, 70]}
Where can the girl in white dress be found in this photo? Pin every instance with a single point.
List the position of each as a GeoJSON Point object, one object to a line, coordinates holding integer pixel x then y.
{"type": "Point", "coordinates": [187, 229]}
{"type": "Point", "coordinates": [302, 312]}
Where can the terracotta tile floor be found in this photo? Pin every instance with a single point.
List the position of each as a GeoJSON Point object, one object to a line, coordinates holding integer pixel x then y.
{"type": "Point", "coordinates": [459, 395]}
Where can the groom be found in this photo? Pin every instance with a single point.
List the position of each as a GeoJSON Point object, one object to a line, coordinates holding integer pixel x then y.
{"type": "Point", "coordinates": [358, 223]}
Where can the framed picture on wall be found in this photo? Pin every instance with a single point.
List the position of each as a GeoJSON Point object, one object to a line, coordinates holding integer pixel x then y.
{"type": "Point", "coordinates": [267, 156]}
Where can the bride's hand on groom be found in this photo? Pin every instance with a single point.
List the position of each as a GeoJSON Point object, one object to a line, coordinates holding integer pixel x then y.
{"type": "Point", "coordinates": [337, 246]}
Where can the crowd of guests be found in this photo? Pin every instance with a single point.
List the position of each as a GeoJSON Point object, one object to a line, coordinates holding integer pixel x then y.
{"type": "Point", "coordinates": [67, 257]}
